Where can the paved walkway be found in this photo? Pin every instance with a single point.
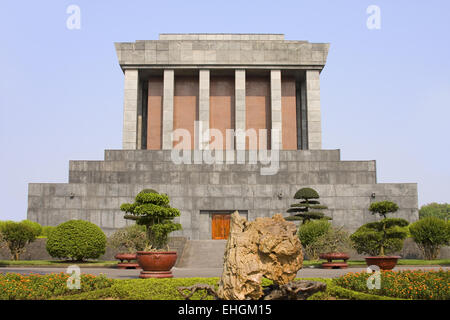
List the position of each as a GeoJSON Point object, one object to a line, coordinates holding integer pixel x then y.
{"type": "Point", "coordinates": [202, 272]}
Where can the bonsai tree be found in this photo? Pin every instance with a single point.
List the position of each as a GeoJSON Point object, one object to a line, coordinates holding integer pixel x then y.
{"type": "Point", "coordinates": [381, 237]}
{"type": "Point", "coordinates": [16, 235]}
{"type": "Point", "coordinates": [301, 211]}
{"type": "Point", "coordinates": [430, 234]}
{"type": "Point", "coordinates": [129, 239]}
{"type": "Point", "coordinates": [153, 211]}
{"type": "Point", "coordinates": [76, 240]}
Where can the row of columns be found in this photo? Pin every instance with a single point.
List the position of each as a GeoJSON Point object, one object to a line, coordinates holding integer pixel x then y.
{"type": "Point", "coordinates": [132, 99]}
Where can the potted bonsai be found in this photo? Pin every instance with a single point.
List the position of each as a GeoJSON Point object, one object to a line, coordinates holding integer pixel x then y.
{"type": "Point", "coordinates": [333, 245]}
{"type": "Point", "coordinates": [128, 241]}
{"type": "Point", "coordinates": [381, 237]}
{"type": "Point", "coordinates": [308, 208]}
{"type": "Point", "coordinates": [153, 211]}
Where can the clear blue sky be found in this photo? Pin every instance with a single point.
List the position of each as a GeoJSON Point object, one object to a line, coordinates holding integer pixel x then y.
{"type": "Point", "coordinates": [385, 93]}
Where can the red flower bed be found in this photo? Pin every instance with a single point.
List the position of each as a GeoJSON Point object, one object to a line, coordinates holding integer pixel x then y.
{"type": "Point", "coordinates": [410, 284]}
{"type": "Point", "coordinates": [14, 286]}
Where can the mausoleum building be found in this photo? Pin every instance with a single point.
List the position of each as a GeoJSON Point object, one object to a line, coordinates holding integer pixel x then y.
{"type": "Point", "coordinates": [205, 117]}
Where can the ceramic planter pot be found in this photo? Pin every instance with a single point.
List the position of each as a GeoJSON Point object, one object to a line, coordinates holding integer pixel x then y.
{"type": "Point", "coordinates": [156, 264]}
{"type": "Point", "coordinates": [334, 256]}
{"type": "Point", "coordinates": [126, 257]}
{"type": "Point", "coordinates": [384, 262]}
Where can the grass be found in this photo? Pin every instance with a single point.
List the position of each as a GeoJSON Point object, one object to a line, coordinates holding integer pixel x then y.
{"type": "Point", "coordinates": [401, 262]}
{"type": "Point", "coordinates": [55, 263]}
{"type": "Point", "coordinates": [53, 286]}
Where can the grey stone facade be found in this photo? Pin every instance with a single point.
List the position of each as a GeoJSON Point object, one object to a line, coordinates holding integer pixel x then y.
{"type": "Point", "coordinates": [97, 188]}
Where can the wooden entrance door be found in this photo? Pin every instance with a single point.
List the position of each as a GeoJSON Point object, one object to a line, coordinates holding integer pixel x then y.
{"type": "Point", "coordinates": [220, 226]}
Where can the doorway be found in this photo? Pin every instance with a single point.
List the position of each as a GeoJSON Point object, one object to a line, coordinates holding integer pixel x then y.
{"type": "Point", "coordinates": [220, 225]}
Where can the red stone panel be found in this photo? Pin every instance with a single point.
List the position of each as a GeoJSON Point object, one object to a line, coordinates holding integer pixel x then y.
{"type": "Point", "coordinates": [185, 104]}
{"type": "Point", "coordinates": [288, 114]}
{"type": "Point", "coordinates": [154, 115]}
{"type": "Point", "coordinates": [257, 115]}
{"type": "Point", "coordinates": [221, 105]}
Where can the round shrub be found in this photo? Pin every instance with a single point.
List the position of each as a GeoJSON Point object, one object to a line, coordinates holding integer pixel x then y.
{"type": "Point", "coordinates": [309, 232]}
{"type": "Point", "coordinates": [36, 227]}
{"type": "Point", "coordinates": [430, 234]}
{"type": "Point", "coordinates": [76, 240]}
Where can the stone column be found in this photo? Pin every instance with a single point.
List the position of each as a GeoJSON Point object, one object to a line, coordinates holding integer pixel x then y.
{"type": "Point", "coordinates": [130, 106]}
{"type": "Point", "coordinates": [275, 99]}
{"type": "Point", "coordinates": [203, 106]}
{"type": "Point", "coordinates": [239, 87]}
{"type": "Point", "coordinates": [167, 122]}
{"type": "Point", "coordinates": [313, 109]}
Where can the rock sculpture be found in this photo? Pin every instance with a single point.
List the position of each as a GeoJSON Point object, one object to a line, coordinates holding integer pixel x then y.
{"type": "Point", "coordinates": [264, 248]}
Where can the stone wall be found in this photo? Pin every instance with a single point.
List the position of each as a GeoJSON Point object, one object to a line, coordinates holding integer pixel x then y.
{"type": "Point", "coordinates": [97, 188]}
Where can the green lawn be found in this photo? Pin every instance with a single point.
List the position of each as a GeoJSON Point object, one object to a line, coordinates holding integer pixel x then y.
{"type": "Point", "coordinates": [53, 263]}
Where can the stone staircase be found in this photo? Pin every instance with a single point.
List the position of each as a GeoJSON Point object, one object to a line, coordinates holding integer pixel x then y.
{"type": "Point", "coordinates": [202, 254]}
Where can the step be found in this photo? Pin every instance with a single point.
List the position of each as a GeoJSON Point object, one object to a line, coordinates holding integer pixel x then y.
{"type": "Point", "coordinates": [203, 254]}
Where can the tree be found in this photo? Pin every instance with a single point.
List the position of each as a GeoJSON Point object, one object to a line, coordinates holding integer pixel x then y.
{"type": "Point", "coordinates": [430, 234]}
{"type": "Point", "coordinates": [381, 237]}
{"type": "Point", "coordinates": [16, 235]}
{"type": "Point", "coordinates": [308, 201]}
{"type": "Point", "coordinates": [438, 210]}
{"type": "Point", "coordinates": [153, 211]}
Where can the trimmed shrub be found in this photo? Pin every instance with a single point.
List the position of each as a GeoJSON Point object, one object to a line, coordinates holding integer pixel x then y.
{"type": "Point", "coordinates": [36, 227]}
{"type": "Point", "coordinates": [381, 237]}
{"type": "Point", "coordinates": [430, 234]}
{"type": "Point", "coordinates": [76, 240]}
{"type": "Point", "coordinates": [307, 209]}
{"type": "Point", "coordinates": [333, 241]}
{"type": "Point", "coordinates": [153, 211]}
{"type": "Point", "coordinates": [16, 235]}
{"type": "Point", "coordinates": [129, 239]}
{"type": "Point", "coordinates": [308, 233]}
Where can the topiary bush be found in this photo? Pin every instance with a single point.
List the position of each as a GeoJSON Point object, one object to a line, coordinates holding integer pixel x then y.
{"type": "Point", "coordinates": [76, 240]}
{"type": "Point", "coordinates": [381, 237]}
{"type": "Point", "coordinates": [302, 211]}
{"type": "Point", "coordinates": [430, 234]}
{"type": "Point", "coordinates": [153, 211]}
{"type": "Point", "coordinates": [16, 235]}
